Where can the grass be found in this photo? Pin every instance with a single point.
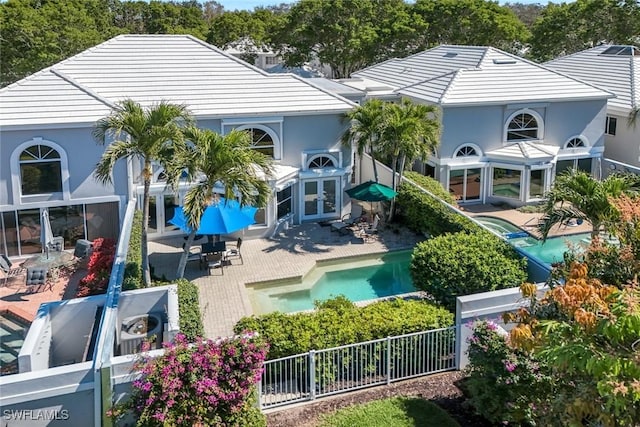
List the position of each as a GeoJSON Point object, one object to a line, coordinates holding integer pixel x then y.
{"type": "Point", "coordinates": [393, 412]}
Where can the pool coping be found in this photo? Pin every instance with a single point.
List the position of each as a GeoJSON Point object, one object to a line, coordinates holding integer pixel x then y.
{"type": "Point", "coordinates": [319, 263]}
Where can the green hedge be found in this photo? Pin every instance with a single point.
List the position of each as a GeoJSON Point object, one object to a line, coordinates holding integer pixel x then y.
{"type": "Point", "coordinates": [189, 306]}
{"type": "Point", "coordinates": [338, 322]}
{"type": "Point", "coordinates": [460, 264]}
{"type": "Point", "coordinates": [133, 267]}
{"type": "Point", "coordinates": [423, 213]}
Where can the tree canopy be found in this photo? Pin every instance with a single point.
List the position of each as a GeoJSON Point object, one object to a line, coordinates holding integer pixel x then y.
{"type": "Point", "coordinates": [347, 35]}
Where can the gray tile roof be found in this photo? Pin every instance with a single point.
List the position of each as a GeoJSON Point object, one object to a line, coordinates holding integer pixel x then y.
{"type": "Point", "coordinates": [619, 74]}
{"type": "Point", "coordinates": [150, 68]}
{"type": "Point", "coordinates": [468, 75]}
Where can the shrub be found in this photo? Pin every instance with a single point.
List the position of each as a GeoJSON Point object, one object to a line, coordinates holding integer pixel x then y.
{"type": "Point", "coordinates": [423, 213]}
{"type": "Point", "coordinates": [99, 268]}
{"type": "Point", "coordinates": [133, 267]}
{"type": "Point", "coordinates": [189, 306]}
{"type": "Point", "coordinates": [459, 264]}
{"type": "Point", "coordinates": [190, 317]}
{"type": "Point", "coordinates": [503, 385]}
{"type": "Point", "coordinates": [209, 383]}
{"type": "Point", "coordinates": [339, 322]}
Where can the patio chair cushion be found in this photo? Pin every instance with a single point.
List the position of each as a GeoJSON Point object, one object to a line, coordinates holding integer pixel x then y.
{"type": "Point", "coordinates": [37, 276]}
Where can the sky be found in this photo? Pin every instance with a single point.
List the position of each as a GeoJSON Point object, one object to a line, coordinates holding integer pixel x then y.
{"type": "Point", "coordinates": [251, 4]}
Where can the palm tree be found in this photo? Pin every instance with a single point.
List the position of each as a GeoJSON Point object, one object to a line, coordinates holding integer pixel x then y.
{"type": "Point", "coordinates": [212, 160]}
{"type": "Point", "coordinates": [632, 118]}
{"type": "Point", "coordinates": [365, 129]}
{"type": "Point", "coordinates": [577, 195]}
{"type": "Point", "coordinates": [410, 131]}
{"type": "Point", "coordinates": [146, 134]}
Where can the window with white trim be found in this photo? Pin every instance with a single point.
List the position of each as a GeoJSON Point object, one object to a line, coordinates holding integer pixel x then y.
{"type": "Point", "coordinates": [262, 141]}
{"type": "Point", "coordinates": [610, 127]}
{"type": "Point", "coordinates": [321, 162]}
{"type": "Point", "coordinates": [40, 170]}
{"type": "Point", "coordinates": [284, 202]}
{"type": "Point", "coordinates": [576, 142]}
{"type": "Point", "coordinates": [523, 126]}
{"type": "Point", "coordinates": [466, 151]}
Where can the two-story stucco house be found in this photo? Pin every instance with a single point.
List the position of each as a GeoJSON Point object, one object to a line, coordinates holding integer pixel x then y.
{"type": "Point", "coordinates": [48, 153]}
{"type": "Point", "coordinates": [508, 125]}
{"type": "Point", "coordinates": [616, 69]}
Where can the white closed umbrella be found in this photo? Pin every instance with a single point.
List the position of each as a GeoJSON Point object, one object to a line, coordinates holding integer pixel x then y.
{"type": "Point", "coordinates": [46, 234]}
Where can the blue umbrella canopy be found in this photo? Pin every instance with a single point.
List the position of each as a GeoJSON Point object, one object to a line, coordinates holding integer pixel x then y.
{"type": "Point", "coordinates": [371, 191]}
{"type": "Point", "coordinates": [221, 217]}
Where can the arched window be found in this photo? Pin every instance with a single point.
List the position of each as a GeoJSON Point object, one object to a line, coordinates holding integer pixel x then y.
{"type": "Point", "coordinates": [321, 162]}
{"type": "Point", "coordinates": [576, 142]}
{"type": "Point", "coordinates": [40, 170]}
{"type": "Point", "coordinates": [523, 126]}
{"type": "Point", "coordinates": [466, 151]}
{"type": "Point", "coordinates": [262, 141]}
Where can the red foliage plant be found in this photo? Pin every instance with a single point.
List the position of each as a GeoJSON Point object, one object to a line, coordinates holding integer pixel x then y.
{"type": "Point", "coordinates": [99, 268]}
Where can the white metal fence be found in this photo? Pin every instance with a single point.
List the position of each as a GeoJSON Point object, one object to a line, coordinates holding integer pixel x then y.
{"type": "Point", "coordinates": [350, 367]}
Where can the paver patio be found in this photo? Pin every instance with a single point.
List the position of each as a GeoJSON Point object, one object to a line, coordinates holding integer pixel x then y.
{"type": "Point", "coordinates": [292, 253]}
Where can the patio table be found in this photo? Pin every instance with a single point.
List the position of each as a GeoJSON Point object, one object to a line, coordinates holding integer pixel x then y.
{"type": "Point", "coordinates": [53, 260]}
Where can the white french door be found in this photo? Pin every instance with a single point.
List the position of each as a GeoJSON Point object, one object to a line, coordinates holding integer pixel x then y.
{"type": "Point", "coordinates": [321, 198]}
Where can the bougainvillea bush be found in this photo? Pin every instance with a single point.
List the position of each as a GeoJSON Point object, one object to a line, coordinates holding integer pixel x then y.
{"type": "Point", "coordinates": [504, 385]}
{"type": "Point", "coordinates": [99, 268]}
{"type": "Point", "coordinates": [204, 384]}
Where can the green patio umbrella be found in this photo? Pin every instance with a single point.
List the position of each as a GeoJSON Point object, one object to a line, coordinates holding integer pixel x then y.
{"type": "Point", "coordinates": [371, 191]}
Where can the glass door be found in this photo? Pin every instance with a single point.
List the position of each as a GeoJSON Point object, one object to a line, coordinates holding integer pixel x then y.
{"type": "Point", "coordinates": [321, 198]}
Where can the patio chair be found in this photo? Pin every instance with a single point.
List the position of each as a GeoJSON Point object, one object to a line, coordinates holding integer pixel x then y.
{"type": "Point", "coordinates": [235, 252]}
{"type": "Point", "coordinates": [8, 271]}
{"type": "Point", "coordinates": [215, 260]}
{"type": "Point", "coordinates": [57, 244]}
{"type": "Point", "coordinates": [195, 254]}
{"type": "Point", "coordinates": [37, 276]}
{"type": "Point", "coordinates": [368, 234]}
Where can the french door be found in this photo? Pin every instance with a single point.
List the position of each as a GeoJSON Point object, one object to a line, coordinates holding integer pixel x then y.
{"type": "Point", "coordinates": [321, 198]}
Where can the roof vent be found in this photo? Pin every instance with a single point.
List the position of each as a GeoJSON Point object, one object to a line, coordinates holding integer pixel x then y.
{"type": "Point", "coordinates": [451, 54]}
{"type": "Point", "coordinates": [621, 51]}
{"type": "Point", "coordinates": [501, 61]}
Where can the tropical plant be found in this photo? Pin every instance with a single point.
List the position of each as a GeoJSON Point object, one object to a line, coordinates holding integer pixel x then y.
{"type": "Point", "coordinates": [586, 332]}
{"type": "Point", "coordinates": [577, 195]}
{"type": "Point", "coordinates": [410, 131]}
{"type": "Point", "coordinates": [211, 160]}
{"type": "Point", "coordinates": [145, 134]}
{"type": "Point", "coordinates": [365, 129]}
{"type": "Point", "coordinates": [505, 385]}
{"type": "Point", "coordinates": [207, 383]}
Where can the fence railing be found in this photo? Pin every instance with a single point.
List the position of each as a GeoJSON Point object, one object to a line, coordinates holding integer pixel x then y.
{"type": "Point", "coordinates": [350, 367]}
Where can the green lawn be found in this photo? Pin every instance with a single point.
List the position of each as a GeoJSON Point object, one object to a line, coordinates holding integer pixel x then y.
{"type": "Point", "coordinates": [394, 412]}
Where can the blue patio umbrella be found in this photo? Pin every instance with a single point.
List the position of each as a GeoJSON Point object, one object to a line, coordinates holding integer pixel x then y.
{"type": "Point", "coordinates": [221, 217]}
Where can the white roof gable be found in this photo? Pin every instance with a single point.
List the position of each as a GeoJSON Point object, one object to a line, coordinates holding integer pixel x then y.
{"type": "Point", "coordinates": [524, 151]}
{"type": "Point", "coordinates": [149, 68]}
{"type": "Point", "coordinates": [467, 75]}
{"type": "Point", "coordinates": [619, 74]}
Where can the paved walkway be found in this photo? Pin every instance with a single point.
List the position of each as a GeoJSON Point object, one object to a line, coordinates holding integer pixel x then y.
{"type": "Point", "coordinates": [292, 253]}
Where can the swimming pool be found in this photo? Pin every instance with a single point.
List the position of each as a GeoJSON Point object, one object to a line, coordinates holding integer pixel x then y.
{"type": "Point", "coordinates": [548, 252]}
{"type": "Point", "coordinates": [358, 279]}
{"type": "Point", "coordinates": [13, 330]}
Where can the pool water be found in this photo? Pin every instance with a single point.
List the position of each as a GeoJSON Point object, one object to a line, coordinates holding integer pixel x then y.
{"type": "Point", "coordinates": [548, 252]}
{"type": "Point", "coordinates": [13, 330]}
{"type": "Point", "coordinates": [358, 279]}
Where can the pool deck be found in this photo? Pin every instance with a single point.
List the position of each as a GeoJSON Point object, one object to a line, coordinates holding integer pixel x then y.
{"type": "Point", "coordinates": [292, 253]}
{"type": "Point", "coordinates": [526, 221]}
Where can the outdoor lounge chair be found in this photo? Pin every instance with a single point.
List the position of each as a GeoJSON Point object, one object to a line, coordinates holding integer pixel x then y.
{"type": "Point", "coordinates": [348, 220]}
{"type": "Point", "coordinates": [8, 271]}
{"type": "Point", "coordinates": [235, 252]}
